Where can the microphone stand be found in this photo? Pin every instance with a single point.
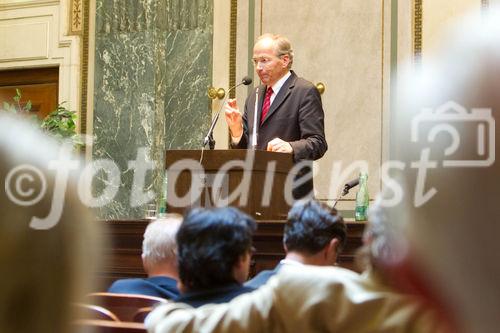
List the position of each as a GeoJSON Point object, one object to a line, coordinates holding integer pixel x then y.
{"type": "Point", "coordinates": [209, 138]}
{"type": "Point", "coordinates": [254, 128]}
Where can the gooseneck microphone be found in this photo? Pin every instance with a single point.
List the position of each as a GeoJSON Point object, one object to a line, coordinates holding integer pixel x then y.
{"type": "Point", "coordinates": [350, 185]}
{"type": "Point", "coordinates": [209, 138]}
{"type": "Point", "coordinates": [347, 187]}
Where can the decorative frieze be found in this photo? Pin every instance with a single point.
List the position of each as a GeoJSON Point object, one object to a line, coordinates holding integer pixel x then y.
{"type": "Point", "coordinates": [76, 17]}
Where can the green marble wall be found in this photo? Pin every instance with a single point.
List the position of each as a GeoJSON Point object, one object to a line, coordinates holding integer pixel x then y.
{"type": "Point", "coordinates": [153, 64]}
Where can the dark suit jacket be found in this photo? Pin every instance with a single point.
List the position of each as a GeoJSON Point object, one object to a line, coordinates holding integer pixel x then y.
{"type": "Point", "coordinates": [215, 295]}
{"type": "Point", "coordinates": [159, 286]}
{"type": "Point", "coordinates": [262, 278]}
{"type": "Point", "coordinates": [296, 116]}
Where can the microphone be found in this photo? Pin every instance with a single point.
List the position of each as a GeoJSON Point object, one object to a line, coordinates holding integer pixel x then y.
{"type": "Point", "coordinates": [209, 138]}
{"type": "Point", "coordinates": [347, 187]}
{"type": "Point", "coordinates": [350, 185]}
{"type": "Point", "coordinates": [246, 80]}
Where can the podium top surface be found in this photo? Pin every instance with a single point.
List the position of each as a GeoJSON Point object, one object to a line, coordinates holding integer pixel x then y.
{"type": "Point", "coordinates": [258, 160]}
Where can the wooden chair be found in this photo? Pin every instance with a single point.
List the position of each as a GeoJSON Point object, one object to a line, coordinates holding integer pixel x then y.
{"type": "Point", "coordinates": [94, 312]}
{"type": "Point", "coordinates": [141, 314]}
{"type": "Point", "coordinates": [105, 326]}
{"type": "Point", "coordinates": [124, 306]}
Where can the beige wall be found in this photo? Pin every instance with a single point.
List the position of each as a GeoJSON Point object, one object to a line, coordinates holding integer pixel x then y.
{"type": "Point", "coordinates": [33, 33]}
{"type": "Point", "coordinates": [339, 44]}
{"type": "Point", "coordinates": [438, 15]}
{"type": "Point", "coordinates": [220, 73]}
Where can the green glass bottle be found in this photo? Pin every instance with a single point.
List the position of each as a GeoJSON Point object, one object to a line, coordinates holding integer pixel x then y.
{"type": "Point", "coordinates": [362, 198]}
{"type": "Point", "coordinates": [162, 206]}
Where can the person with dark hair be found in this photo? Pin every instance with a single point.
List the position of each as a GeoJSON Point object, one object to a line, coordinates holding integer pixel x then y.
{"type": "Point", "coordinates": [313, 235]}
{"type": "Point", "coordinates": [214, 250]}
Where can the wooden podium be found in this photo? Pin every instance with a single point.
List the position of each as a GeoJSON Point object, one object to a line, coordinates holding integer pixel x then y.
{"type": "Point", "coordinates": [253, 181]}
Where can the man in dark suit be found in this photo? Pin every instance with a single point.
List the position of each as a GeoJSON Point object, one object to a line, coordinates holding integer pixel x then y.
{"type": "Point", "coordinates": [313, 235]}
{"type": "Point", "coordinates": [159, 260]}
{"type": "Point", "coordinates": [290, 116]}
{"type": "Point", "coordinates": [214, 248]}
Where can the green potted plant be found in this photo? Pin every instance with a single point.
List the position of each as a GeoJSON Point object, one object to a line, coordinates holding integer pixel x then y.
{"type": "Point", "coordinates": [60, 123]}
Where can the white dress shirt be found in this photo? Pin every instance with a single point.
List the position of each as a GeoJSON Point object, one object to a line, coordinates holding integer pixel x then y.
{"type": "Point", "coordinates": [276, 89]}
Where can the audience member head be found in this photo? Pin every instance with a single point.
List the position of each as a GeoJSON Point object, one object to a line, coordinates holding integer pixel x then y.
{"type": "Point", "coordinates": [314, 234]}
{"type": "Point", "coordinates": [159, 247]}
{"type": "Point", "coordinates": [384, 245]}
{"type": "Point", "coordinates": [214, 248]}
{"type": "Point", "coordinates": [452, 202]}
{"type": "Point", "coordinates": [44, 266]}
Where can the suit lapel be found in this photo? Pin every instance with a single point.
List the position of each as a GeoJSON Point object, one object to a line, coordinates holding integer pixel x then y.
{"type": "Point", "coordinates": [280, 98]}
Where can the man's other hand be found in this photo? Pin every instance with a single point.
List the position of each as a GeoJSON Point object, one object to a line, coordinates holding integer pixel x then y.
{"type": "Point", "coordinates": [279, 146]}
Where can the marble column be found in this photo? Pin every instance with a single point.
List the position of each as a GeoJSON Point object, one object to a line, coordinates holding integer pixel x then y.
{"type": "Point", "coordinates": [153, 64]}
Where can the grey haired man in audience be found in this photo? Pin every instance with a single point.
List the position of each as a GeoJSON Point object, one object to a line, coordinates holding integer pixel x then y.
{"type": "Point", "coordinates": [159, 259]}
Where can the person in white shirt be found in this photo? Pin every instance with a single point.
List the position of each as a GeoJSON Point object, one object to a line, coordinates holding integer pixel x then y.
{"type": "Point", "coordinates": [313, 235]}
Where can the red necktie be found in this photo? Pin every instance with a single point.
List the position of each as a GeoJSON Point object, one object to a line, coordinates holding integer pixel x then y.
{"type": "Point", "coordinates": [266, 105]}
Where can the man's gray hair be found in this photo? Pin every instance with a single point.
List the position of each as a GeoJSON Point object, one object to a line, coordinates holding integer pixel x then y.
{"type": "Point", "coordinates": [159, 242]}
{"type": "Point", "coordinates": [282, 46]}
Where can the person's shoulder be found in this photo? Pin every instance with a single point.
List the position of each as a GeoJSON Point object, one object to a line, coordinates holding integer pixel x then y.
{"type": "Point", "coordinates": [305, 87]}
{"type": "Point", "coordinates": [243, 289]}
{"type": "Point", "coordinates": [260, 279]}
{"type": "Point", "coordinates": [163, 287]}
{"type": "Point", "coordinates": [301, 82]}
{"type": "Point", "coordinates": [124, 284]}
{"type": "Point", "coordinates": [317, 275]}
